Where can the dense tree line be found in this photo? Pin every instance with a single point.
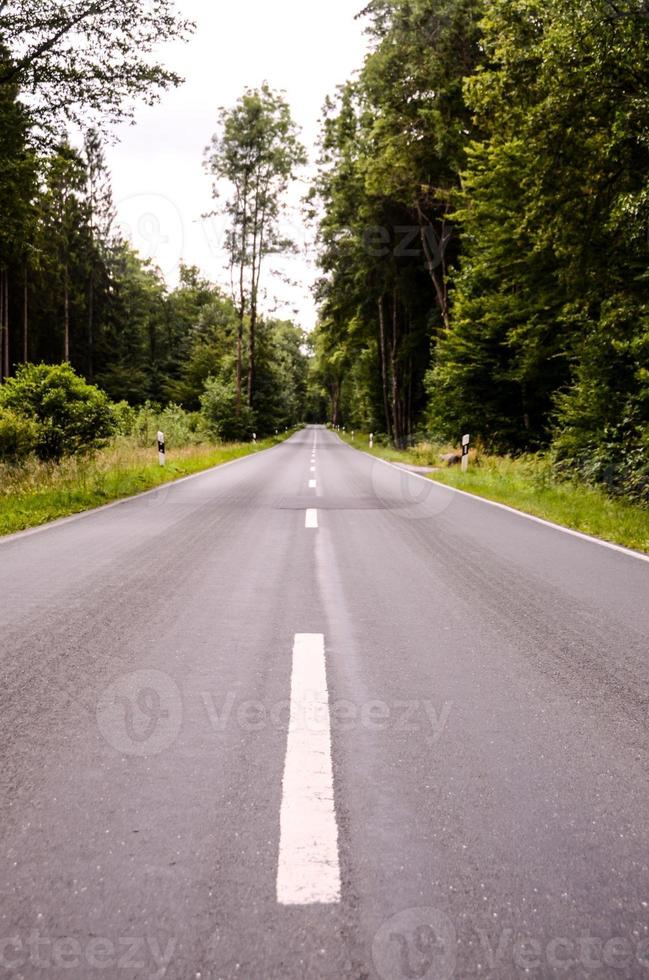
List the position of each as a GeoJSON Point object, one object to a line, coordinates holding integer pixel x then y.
{"type": "Point", "coordinates": [72, 290]}
{"type": "Point", "coordinates": [484, 244]}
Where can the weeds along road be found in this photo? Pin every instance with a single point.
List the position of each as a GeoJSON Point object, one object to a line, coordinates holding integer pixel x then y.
{"type": "Point", "coordinates": [308, 716]}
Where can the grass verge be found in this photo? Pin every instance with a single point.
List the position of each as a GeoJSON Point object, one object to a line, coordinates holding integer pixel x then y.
{"type": "Point", "coordinates": [36, 493]}
{"type": "Point", "coordinates": [529, 484]}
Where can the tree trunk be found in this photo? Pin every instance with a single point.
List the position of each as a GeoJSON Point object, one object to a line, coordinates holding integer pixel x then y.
{"type": "Point", "coordinates": [334, 391]}
{"type": "Point", "coordinates": [384, 367]}
{"type": "Point", "coordinates": [239, 362]}
{"type": "Point", "coordinates": [436, 266]}
{"type": "Point", "coordinates": [66, 315]}
{"type": "Point", "coordinates": [243, 260]}
{"type": "Point", "coordinates": [91, 327]}
{"type": "Point", "coordinates": [251, 352]}
{"type": "Point", "coordinates": [5, 323]}
{"type": "Point", "coordinates": [396, 408]}
{"type": "Point", "coordinates": [26, 317]}
{"type": "Point", "coordinates": [259, 230]}
{"type": "Point", "coordinates": [2, 325]}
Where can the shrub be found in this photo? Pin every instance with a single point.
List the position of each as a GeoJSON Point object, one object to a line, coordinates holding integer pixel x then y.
{"type": "Point", "coordinates": [17, 436]}
{"type": "Point", "coordinates": [181, 428]}
{"type": "Point", "coordinates": [71, 416]}
{"type": "Point", "coordinates": [125, 416]}
{"type": "Point", "coordinates": [218, 408]}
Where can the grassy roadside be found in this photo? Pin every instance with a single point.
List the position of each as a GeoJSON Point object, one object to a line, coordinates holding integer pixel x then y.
{"type": "Point", "coordinates": [38, 493]}
{"type": "Point", "coordinates": [528, 484]}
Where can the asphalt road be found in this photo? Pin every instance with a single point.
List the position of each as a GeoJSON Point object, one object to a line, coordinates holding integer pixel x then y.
{"type": "Point", "coordinates": [410, 742]}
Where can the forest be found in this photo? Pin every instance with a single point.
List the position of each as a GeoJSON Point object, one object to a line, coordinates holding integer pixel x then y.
{"type": "Point", "coordinates": [72, 289]}
{"type": "Point", "coordinates": [483, 208]}
{"type": "Point", "coordinates": [482, 211]}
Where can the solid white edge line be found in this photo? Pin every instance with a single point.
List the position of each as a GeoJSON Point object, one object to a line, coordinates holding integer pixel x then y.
{"type": "Point", "coordinates": [512, 510]}
{"type": "Point", "coordinates": [71, 518]}
{"type": "Point", "coordinates": [311, 518]}
{"type": "Point", "coordinates": [308, 867]}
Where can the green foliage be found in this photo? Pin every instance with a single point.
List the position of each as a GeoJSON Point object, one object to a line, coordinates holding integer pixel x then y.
{"type": "Point", "coordinates": [82, 58]}
{"type": "Point", "coordinates": [180, 428]}
{"type": "Point", "coordinates": [514, 136]}
{"type": "Point", "coordinates": [18, 436]}
{"type": "Point", "coordinates": [125, 416]}
{"type": "Point", "coordinates": [256, 150]}
{"type": "Point", "coordinates": [550, 296]}
{"type": "Point", "coordinates": [36, 492]}
{"type": "Point", "coordinates": [222, 417]}
{"type": "Point", "coordinates": [393, 144]}
{"type": "Point", "coordinates": [602, 432]}
{"type": "Point", "coordinates": [72, 417]}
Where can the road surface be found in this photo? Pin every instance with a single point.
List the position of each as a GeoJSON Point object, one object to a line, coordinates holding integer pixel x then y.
{"type": "Point", "coordinates": [306, 716]}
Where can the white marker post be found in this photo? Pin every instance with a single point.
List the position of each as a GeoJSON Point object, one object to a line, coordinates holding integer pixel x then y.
{"type": "Point", "coordinates": [465, 452]}
{"type": "Point", "coordinates": [161, 448]}
{"type": "Point", "coordinates": [371, 440]}
{"type": "Point", "coordinates": [254, 437]}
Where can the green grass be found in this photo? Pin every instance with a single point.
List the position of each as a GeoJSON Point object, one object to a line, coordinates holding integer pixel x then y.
{"type": "Point", "coordinates": [529, 484]}
{"type": "Point", "coordinates": [37, 493]}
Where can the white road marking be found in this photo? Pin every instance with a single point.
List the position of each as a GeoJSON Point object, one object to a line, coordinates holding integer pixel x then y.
{"type": "Point", "coordinates": [308, 869]}
{"type": "Point", "coordinates": [311, 518]}
{"type": "Point", "coordinates": [512, 510]}
{"type": "Point", "coordinates": [313, 469]}
{"type": "Point", "coordinates": [312, 484]}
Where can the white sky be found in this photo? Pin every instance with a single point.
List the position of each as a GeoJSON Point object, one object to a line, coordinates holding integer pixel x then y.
{"type": "Point", "coordinates": [160, 187]}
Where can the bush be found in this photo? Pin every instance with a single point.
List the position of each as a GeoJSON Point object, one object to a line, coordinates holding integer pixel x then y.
{"type": "Point", "coordinates": [125, 416]}
{"type": "Point", "coordinates": [17, 436]}
{"type": "Point", "coordinates": [219, 411]}
{"type": "Point", "coordinates": [71, 417]}
{"type": "Point", "coordinates": [181, 428]}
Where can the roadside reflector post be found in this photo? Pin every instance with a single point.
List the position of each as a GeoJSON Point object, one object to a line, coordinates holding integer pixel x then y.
{"type": "Point", "coordinates": [371, 440]}
{"type": "Point", "coordinates": [353, 434]}
{"type": "Point", "coordinates": [161, 448]}
{"type": "Point", "coordinates": [466, 440]}
{"type": "Point", "coordinates": [254, 437]}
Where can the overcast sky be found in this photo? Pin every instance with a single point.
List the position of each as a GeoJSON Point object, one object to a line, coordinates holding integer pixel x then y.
{"type": "Point", "coordinates": [161, 189]}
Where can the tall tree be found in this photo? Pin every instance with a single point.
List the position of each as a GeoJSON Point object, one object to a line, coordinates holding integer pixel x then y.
{"type": "Point", "coordinates": [18, 178]}
{"type": "Point", "coordinates": [101, 216]}
{"type": "Point", "coordinates": [64, 229]}
{"type": "Point", "coordinates": [256, 150]}
{"type": "Point", "coordinates": [554, 216]}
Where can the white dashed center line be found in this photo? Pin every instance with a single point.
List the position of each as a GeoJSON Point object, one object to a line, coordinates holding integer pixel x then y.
{"type": "Point", "coordinates": [308, 870]}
